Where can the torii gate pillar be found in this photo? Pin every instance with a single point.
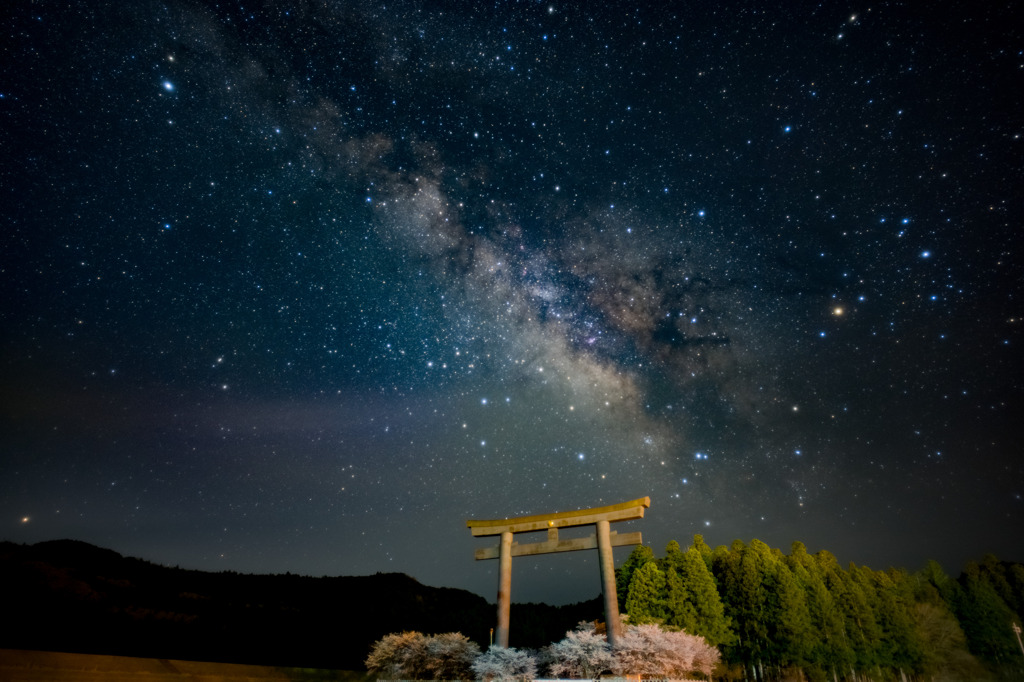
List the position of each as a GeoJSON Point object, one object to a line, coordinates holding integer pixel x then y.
{"type": "Point", "coordinates": [504, 588]}
{"type": "Point", "coordinates": [604, 539]}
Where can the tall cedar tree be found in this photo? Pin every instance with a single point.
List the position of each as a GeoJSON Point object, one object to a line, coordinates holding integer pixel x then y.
{"type": "Point", "coordinates": [829, 649]}
{"type": "Point", "coordinates": [703, 549]}
{"type": "Point", "coordinates": [772, 612]}
{"type": "Point", "coordinates": [739, 578]}
{"type": "Point", "coordinates": [640, 555]}
{"type": "Point", "coordinates": [861, 627]}
{"type": "Point", "coordinates": [679, 607]}
{"type": "Point", "coordinates": [680, 611]}
{"type": "Point", "coordinates": [986, 620]}
{"type": "Point", "coordinates": [646, 600]}
{"type": "Point", "coordinates": [708, 613]}
{"type": "Point", "coordinates": [943, 643]}
{"type": "Point", "coordinates": [789, 621]}
{"type": "Point", "coordinates": [1006, 580]}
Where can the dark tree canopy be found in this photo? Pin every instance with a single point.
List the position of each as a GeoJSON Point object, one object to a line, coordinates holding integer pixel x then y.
{"type": "Point", "coordinates": [772, 613]}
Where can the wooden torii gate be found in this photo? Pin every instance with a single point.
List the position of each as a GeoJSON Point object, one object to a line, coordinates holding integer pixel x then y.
{"type": "Point", "coordinates": [603, 540]}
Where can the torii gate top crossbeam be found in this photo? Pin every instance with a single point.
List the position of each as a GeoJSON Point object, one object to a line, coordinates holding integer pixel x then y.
{"type": "Point", "coordinates": [624, 511]}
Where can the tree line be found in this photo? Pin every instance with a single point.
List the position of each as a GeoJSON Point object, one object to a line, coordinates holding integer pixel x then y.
{"type": "Point", "coordinates": [804, 616]}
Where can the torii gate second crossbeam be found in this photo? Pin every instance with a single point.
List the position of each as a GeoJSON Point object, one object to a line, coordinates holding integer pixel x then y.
{"type": "Point", "coordinates": [603, 540]}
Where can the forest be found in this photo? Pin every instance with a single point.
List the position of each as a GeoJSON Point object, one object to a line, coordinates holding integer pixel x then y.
{"type": "Point", "coordinates": [772, 615]}
{"type": "Point", "coordinates": [804, 616]}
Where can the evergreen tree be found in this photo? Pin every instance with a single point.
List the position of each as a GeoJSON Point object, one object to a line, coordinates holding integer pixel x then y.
{"type": "Point", "coordinates": [788, 619]}
{"type": "Point", "coordinates": [703, 549]}
{"type": "Point", "coordinates": [739, 573]}
{"type": "Point", "coordinates": [986, 621]}
{"type": "Point", "coordinates": [680, 611]}
{"type": "Point", "coordinates": [646, 600]}
{"type": "Point", "coordinates": [862, 633]}
{"type": "Point", "coordinates": [673, 557]}
{"type": "Point", "coordinates": [640, 555]}
{"type": "Point", "coordinates": [998, 575]}
{"type": "Point", "coordinates": [944, 646]}
{"type": "Point", "coordinates": [705, 615]}
{"type": "Point", "coordinates": [725, 566]}
{"type": "Point", "coordinates": [895, 590]}
{"type": "Point", "coordinates": [896, 647]}
{"type": "Point", "coordinates": [1015, 576]}
{"type": "Point", "coordinates": [935, 587]}
{"type": "Point", "coordinates": [829, 649]}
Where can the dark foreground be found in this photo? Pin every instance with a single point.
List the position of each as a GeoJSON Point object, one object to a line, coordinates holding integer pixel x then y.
{"type": "Point", "coordinates": [38, 666]}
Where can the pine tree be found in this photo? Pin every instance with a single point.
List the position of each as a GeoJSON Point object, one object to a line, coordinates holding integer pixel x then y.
{"type": "Point", "coordinates": [706, 614]}
{"type": "Point", "coordinates": [896, 646]}
{"type": "Point", "coordinates": [646, 600]}
{"type": "Point", "coordinates": [1015, 576]}
{"type": "Point", "coordinates": [986, 620]}
{"type": "Point", "coordinates": [895, 615]}
{"type": "Point", "coordinates": [673, 557]}
{"type": "Point", "coordinates": [861, 630]}
{"type": "Point", "coordinates": [944, 646]}
{"type": "Point", "coordinates": [995, 573]}
{"type": "Point", "coordinates": [680, 611]}
{"type": "Point", "coordinates": [935, 587]}
{"type": "Point", "coordinates": [739, 573]}
{"type": "Point", "coordinates": [789, 620]}
{"type": "Point", "coordinates": [640, 555]}
{"type": "Point", "coordinates": [703, 549]}
{"type": "Point", "coordinates": [829, 649]}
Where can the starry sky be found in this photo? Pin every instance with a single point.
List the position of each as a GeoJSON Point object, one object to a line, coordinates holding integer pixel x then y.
{"type": "Point", "coordinates": [303, 286]}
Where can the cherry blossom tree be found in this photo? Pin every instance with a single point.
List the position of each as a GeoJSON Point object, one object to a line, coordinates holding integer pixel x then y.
{"type": "Point", "coordinates": [450, 656]}
{"type": "Point", "coordinates": [582, 654]}
{"type": "Point", "coordinates": [499, 664]}
{"type": "Point", "coordinates": [414, 656]}
{"type": "Point", "coordinates": [398, 656]}
{"type": "Point", "coordinates": [649, 651]}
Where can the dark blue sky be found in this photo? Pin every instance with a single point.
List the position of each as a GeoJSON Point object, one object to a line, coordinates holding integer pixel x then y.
{"type": "Point", "coordinates": [304, 286]}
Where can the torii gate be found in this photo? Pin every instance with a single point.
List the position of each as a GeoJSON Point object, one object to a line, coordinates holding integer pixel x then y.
{"type": "Point", "coordinates": [603, 539]}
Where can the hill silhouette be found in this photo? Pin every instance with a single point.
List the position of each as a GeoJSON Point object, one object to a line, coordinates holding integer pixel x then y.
{"type": "Point", "coordinates": [67, 595]}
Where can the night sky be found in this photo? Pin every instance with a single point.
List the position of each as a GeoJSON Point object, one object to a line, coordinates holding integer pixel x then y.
{"type": "Point", "coordinates": [304, 286]}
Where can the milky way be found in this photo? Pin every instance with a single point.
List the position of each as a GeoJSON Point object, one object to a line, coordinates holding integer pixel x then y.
{"type": "Point", "coordinates": [302, 287]}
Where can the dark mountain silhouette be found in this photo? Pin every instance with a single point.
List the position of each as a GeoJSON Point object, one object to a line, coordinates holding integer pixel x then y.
{"type": "Point", "coordinates": [66, 595]}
